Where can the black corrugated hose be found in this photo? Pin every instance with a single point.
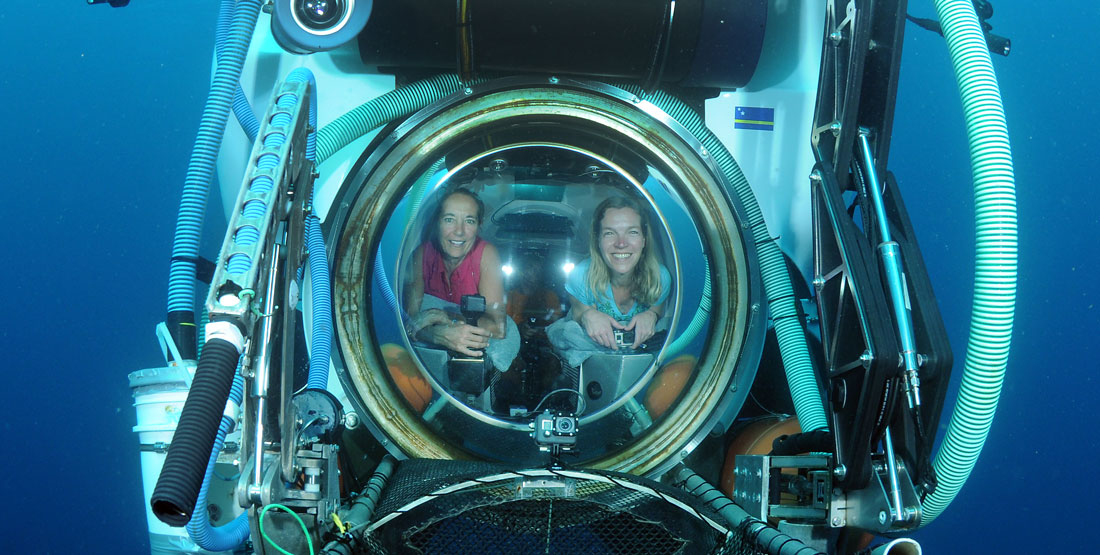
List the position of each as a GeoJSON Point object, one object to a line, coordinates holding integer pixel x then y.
{"type": "Point", "coordinates": [180, 479]}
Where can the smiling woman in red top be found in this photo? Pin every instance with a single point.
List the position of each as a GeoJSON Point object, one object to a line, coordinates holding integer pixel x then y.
{"type": "Point", "coordinates": [454, 262]}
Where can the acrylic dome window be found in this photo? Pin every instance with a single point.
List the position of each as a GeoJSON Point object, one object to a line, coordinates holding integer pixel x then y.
{"type": "Point", "coordinates": [459, 239]}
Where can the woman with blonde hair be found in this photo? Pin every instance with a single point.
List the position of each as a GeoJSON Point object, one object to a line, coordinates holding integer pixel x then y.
{"type": "Point", "coordinates": [622, 285]}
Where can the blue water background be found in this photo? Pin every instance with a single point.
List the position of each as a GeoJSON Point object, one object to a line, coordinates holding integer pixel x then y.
{"type": "Point", "coordinates": [101, 107]}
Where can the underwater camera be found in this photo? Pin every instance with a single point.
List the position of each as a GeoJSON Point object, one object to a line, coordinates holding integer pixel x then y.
{"type": "Point", "coordinates": [554, 430]}
{"type": "Point", "coordinates": [472, 307]}
{"type": "Point", "coordinates": [308, 26]}
{"type": "Point", "coordinates": [625, 338]}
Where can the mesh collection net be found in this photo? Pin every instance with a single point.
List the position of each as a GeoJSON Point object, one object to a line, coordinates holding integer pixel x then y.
{"type": "Point", "coordinates": [468, 507]}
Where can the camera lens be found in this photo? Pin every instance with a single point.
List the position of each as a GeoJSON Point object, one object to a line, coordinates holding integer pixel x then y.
{"type": "Point", "coordinates": [565, 425]}
{"type": "Point", "coordinates": [320, 14]}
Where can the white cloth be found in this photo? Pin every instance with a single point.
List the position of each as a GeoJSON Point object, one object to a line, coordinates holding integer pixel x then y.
{"type": "Point", "coordinates": [572, 342]}
{"type": "Point", "coordinates": [574, 345]}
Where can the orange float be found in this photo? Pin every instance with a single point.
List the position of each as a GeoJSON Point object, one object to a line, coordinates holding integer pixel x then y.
{"type": "Point", "coordinates": [407, 377]}
{"type": "Point", "coordinates": [668, 383]}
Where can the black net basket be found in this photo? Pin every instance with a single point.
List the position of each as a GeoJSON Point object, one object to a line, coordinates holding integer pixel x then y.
{"type": "Point", "coordinates": [468, 507]}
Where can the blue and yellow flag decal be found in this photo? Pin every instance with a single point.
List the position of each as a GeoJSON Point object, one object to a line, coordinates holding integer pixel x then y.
{"type": "Point", "coordinates": [747, 117]}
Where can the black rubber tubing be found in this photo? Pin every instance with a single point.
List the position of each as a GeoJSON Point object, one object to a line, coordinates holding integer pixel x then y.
{"type": "Point", "coordinates": [808, 442]}
{"type": "Point", "coordinates": [181, 477]}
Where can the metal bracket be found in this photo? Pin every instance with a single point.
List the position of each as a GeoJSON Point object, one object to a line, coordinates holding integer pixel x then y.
{"type": "Point", "coordinates": [796, 487]}
{"type": "Point", "coordinates": [273, 169]}
{"type": "Point", "coordinates": [871, 509]}
{"type": "Point", "coordinates": [800, 488]}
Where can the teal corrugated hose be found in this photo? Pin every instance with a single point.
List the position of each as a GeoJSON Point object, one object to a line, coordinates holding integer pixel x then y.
{"type": "Point", "coordinates": [701, 318]}
{"type": "Point", "coordinates": [782, 301]}
{"type": "Point", "coordinates": [378, 111]}
{"type": "Point", "coordinates": [995, 264]}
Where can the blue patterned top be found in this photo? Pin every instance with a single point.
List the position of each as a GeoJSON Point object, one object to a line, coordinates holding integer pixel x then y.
{"type": "Point", "coordinates": [577, 285]}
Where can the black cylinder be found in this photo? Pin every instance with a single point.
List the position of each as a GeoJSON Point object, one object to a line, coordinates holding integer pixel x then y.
{"type": "Point", "coordinates": [808, 442]}
{"type": "Point", "coordinates": [181, 477]}
{"type": "Point", "coordinates": [689, 43]}
{"type": "Point", "coordinates": [998, 45]}
{"type": "Point", "coordinates": [181, 326]}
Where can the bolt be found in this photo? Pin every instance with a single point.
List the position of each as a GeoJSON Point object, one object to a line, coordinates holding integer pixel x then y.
{"type": "Point", "coordinates": [467, 91]}
{"type": "Point", "coordinates": [836, 36]}
{"type": "Point", "coordinates": [909, 513]}
{"type": "Point", "coordinates": [819, 282]}
{"type": "Point", "coordinates": [840, 471]}
{"type": "Point", "coordinates": [553, 80]}
{"type": "Point", "coordinates": [866, 358]}
{"type": "Point", "coordinates": [837, 522]}
{"type": "Point", "coordinates": [498, 164]}
{"type": "Point", "coordinates": [882, 517]}
{"type": "Point", "coordinates": [351, 420]}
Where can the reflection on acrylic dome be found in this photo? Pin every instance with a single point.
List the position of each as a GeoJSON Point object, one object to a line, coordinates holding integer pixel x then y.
{"type": "Point", "coordinates": [469, 252]}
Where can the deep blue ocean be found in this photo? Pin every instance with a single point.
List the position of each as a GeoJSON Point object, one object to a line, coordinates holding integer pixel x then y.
{"type": "Point", "coordinates": [101, 107]}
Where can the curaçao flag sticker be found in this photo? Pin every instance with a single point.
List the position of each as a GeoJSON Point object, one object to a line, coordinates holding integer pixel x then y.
{"type": "Point", "coordinates": [747, 117]}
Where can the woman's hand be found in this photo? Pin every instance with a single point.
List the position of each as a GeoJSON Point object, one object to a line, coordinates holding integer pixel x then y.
{"type": "Point", "coordinates": [427, 318]}
{"type": "Point", "coordinates": [461, 337]}
{"type": "Point", "coordinates": [600, 327]}
{"type": "Point", "coordinates": [436, 326]}
{"type": "Point", "coordinates": [644, 325]}
{"type": "Point", "coordinates": [493, 323]}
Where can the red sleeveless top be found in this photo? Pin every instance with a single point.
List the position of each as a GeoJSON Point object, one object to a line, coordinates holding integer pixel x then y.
{"type": "Point", "coordinates": [463, 280]}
